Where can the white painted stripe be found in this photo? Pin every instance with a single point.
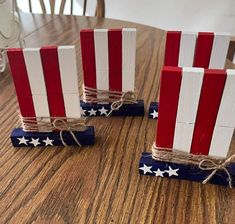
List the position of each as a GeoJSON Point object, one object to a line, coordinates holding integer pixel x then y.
{"type": "Point", "coordinates": [68, 69]}
{"type": "Point", "coordinates": [219, 51]}
{"type": "Point", "coordinates": [128, 81]}
{"type": "Point", "coordinates": [183, 136]}
{"type": "Point", "coordinates": [190, 90]}
{"type": "Point", "coordinates": [35, 71]}
{"type": "Point", "coordinates": [101, 59]}
{"type": "Point", "coordinates": [225, 121]}
{"type": "Point", "coordinates": [37, 83]}
{"type": "Point", "coordinates": [187, 48]}
{"type": "Point", "coordinates": [41, 107]}
{"type": "Point", "coordinates": [72, 105]}
{"type": "Point", "coordinates": [221, 140]}
{"type": "Point", "coordinates": [226, 113]}
{"type": "Point", "coordinates": [128, 59]}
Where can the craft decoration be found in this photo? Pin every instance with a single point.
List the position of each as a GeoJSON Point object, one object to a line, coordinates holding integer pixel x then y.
{"type": "Point", "coordinates": [189, 49]}
{"type": "Point", "coordinates": [195, 126]}
{"type": "Point", "coordinates": [46, 86]}
{"type": "Point", "coordinates": [108, 58]}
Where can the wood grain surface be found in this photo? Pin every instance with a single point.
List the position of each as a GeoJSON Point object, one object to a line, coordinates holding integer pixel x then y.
{"type": "Point", "coordinates": [98, 184]}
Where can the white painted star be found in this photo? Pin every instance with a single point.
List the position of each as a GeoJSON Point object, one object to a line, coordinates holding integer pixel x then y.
{"type": "Point", "coordinates": [48, 141]}
{"type": "Point", "coordinates": [23, 140]}
{"type": "Point", "coordinates": [154, 114]}
{"type": "Point", "coordinates": [83, 112]}
{"type": "Point", "coordinates": [92, 112]}
{"type": "Point", "coordinates": [146, 169]}
{"type": "Point", "coordinates": [172, 172]}
{"type": "Point", "coordinates": [35, 142]}
{"type": "Point", "coordinates": [103, 111]}
{"type": "Point", "coordinates": [159, 173]}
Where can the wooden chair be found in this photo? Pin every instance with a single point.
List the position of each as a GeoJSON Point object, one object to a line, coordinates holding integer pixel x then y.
{"type": "Point", "coordinates": [100, 8]}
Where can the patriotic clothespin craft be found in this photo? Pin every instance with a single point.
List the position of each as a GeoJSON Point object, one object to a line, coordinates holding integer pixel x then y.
{"type": "Point", "coordinates": [108, 58]}
{"type": "Point", "coordinates": [189, 49]}
{"type": "Point", "coordinates": [46, 86]}
{"type": "Point", "coordinates": [195, 126]}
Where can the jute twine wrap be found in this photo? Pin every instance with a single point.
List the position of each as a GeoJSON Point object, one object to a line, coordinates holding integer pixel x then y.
{"type": "Point", "coordinates": [116, 98]}
{"type": "Point", "coordinates": [203, 162]}
{"type": "Point", "coordinates": [61, 124]}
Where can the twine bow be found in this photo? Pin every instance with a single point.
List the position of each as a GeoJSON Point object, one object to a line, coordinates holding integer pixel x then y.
{"type": "Point", "coordinates": [45, 124]}
{"type": "Point", "coordinates": [204, 162]}
{"type": "Point", "coordinates": [207, 164]}
{"type": "Point", "coordinates": [116, 98]}
{"type": "Point", "coordinates": [127, 97]}
{"type": "Point", "coordinates": [62, 126]}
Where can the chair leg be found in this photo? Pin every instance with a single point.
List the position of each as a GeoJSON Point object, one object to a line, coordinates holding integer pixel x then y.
{"type": "Point", "coordinates": [62, 5]}
{"type": "Point", "coordinates": [84, 7]}
{"type": "Point", "coordinates": [30, 6]}
{"type": "Point", "coordinates": [42, 6]}
{"type": "Point", "coordinates": [71, 8]}
{"type": "Point", "coordinates": [100, 9]}
{"type": "Point", "coordinates": [231, 52]}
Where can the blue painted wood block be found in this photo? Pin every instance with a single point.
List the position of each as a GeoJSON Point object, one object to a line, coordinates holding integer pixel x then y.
{"type": "Point", "coordinates": [89, 109]}
{"type": "Point", "coordinates": [149, 166]}
{"type": "Point", "coordinates": [21, 138]}
{"type": "Point", "coordinates": [153, 110]}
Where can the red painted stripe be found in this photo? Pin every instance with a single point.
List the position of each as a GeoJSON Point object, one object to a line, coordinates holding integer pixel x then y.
{"type": "Point", "coordinates": [203, 49]}
{"type": "Point", "coordinates": [211, 93]}
{"type": "Point", "coordinates": [168, 105]}
{"type": "Point", "coordinates": [50, 65]}
{"type": "Point", "coordinates": [21, 81]}
{"type": "Point", "coordinates": [115, 59]}
{"type": "Point", "coordinates": [88, 57]}
{"type": "Point", "coordinates": [172, 48]}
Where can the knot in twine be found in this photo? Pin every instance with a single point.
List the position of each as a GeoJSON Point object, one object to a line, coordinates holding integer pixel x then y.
{"type": "Point", "coordinates": [61, 124]}
{"type": "Point", "coordinates": [127, 97]}
{"type": "Point", "coordinates": [203, 162]}
{"type": "Point", "coordinates": [208, 164]}
{"type": "Point", "coordinates": [116, 98]}
{"type": "Point", "coordinates": [69, 126]}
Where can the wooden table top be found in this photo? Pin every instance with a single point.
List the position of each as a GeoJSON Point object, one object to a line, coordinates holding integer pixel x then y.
{"type": "Point", "coordinates": [98, 184]}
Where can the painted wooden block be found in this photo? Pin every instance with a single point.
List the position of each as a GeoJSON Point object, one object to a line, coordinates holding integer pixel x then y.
{"type": "Point", "coordinates": [169, 97]}
{"type": "Point", "coordinates": [68, 69]}
{"type": "Point", "coordinates": [187, 47]}
{"type": "Point", "coordinates": [95, 109]}
{"type": "Point", "coordinates": [219, 50]}
{"type": "Point", "coordinates": [46, 85]}
{"type": "Point", "coordinates": [21, 81]}
{"type": "Point", "coordinates": [128, 59]}
{"type": "Point", "coordinates": [190, 90]}
{"type": "Point", "coordinates": [221, 140]}
{"type": "Point", "coordinates": [209, 103]}
{"type": "Point", "coordinates": [21, 138]}
{"type": "Point", "coordinates": [149, 166]}
{"type": "Point", "coordinates": [101, 59]}
{"type": "Point", "coordinates": [190, 49]}
{"type": "Point", "coordinates": [203, 50]}
{"type": "Point", "coordinates": [172, 48]}
{"type": "Point", "coordinates": [153, 110]}
{"type": "Point", "coordinates": [183, 136]}
{"type": "Point", "coordinates": [225, 121]}
{"type": "Point", "coordinates": [108, 57]}
{"type": "Point", "coordinates": [195, 126]}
